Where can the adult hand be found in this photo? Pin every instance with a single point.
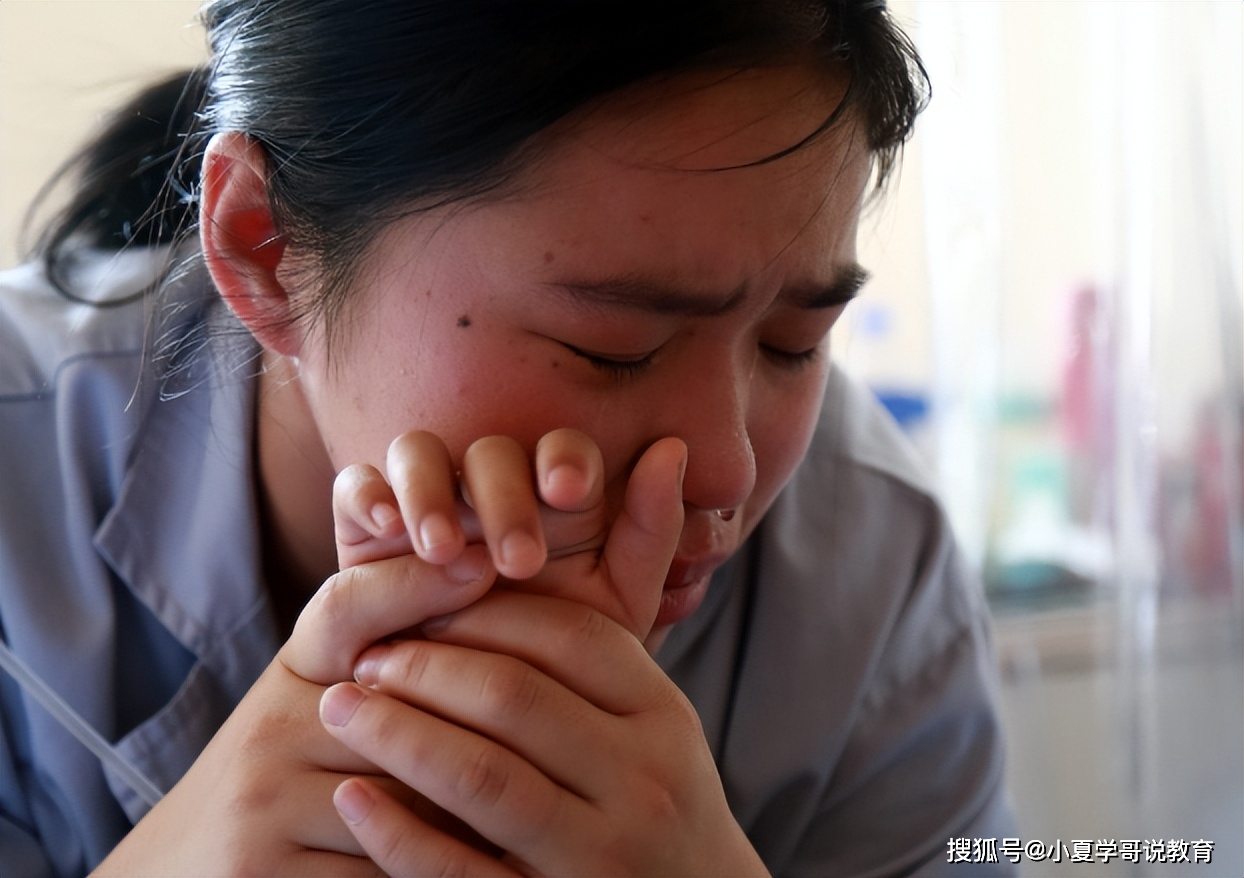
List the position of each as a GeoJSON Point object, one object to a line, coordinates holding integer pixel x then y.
{"type": "Point", "coordinates": [258, 800]}
{"type": "Point", "coordinates": [536, 715]}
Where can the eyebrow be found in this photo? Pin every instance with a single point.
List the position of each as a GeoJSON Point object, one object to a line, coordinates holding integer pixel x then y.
{"type": "Point", "coordinates": [639, 294]}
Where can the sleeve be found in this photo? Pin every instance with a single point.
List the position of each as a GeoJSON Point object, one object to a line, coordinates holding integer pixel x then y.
{"type": "Point", "coordinates": [919, 785]}
{"type": "Point", "coordinates": [21, 852]}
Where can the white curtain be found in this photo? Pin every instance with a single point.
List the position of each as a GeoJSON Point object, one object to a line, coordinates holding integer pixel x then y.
{"type": "Point", "coordinates": [1079, 190]}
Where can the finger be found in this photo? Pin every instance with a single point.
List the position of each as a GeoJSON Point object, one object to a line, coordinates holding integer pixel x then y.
{"type": "Point", "coordinates": [432, 814]}
{"type": "Point", "coordinates": [401, 843]}
{"type": "Point", "coordinates": [500, 697]}
{"type": "Point", "coordinates": [570, 471]}
{"type": "Point", "coordinates": [496, 475]}
{"type": "Point", "coordinates": [426, 487]}
{"type": "Point", "coordinates": [362, 605]}
{"type": "Point", "coordinates": [576, 645]}
{"type": "Point", "coordinates": [645, 534]}
{"type": "Point", "coordinates": [499, 794]}
{"type": "Point", "coordinates": [570, 477]}
{"type": "Point", "coordinates": [367, 521]}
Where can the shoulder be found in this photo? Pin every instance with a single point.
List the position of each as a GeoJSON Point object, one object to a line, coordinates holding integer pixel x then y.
{"type": "Point", "coordinates": [869, 637]}
{"type": "Point", "coordinates": [862, 532]}
{"type": "Point", "coordinates": [856, 432]}
{"type": "Point", "coordinates": [43, 331]}
{"type": "Point", "coordinates": [76, 378]}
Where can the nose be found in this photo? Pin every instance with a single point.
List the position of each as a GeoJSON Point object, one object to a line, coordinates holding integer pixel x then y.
{"type": "Point", "coordinates": [712, 420]}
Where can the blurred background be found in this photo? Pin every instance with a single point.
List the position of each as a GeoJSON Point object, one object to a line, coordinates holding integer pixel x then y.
{"type": "Point", "coordinates": [1056, 320]}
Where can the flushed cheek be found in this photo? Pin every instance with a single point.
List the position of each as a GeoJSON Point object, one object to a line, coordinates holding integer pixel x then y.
{"type": "Point", "coordinates": [476, 384]}
{"type": "Point", "coordinates": [780, 441]}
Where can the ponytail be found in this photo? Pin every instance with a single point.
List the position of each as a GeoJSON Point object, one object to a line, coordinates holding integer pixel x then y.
{"type": "Point", "coordinates": [135, 182]}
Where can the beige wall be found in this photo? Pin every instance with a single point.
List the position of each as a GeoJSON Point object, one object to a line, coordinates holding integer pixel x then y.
{"type": "Point", "coordinates": [63, 63]}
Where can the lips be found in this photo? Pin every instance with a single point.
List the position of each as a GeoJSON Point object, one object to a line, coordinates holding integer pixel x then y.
{"type": "Point", "coordinates": [686, 585]}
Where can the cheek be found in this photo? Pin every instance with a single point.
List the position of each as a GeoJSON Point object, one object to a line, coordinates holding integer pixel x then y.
{"type": "Point", "coordinates": [467, 384]}
{"type": "Point", "coordinates": [782, 433]}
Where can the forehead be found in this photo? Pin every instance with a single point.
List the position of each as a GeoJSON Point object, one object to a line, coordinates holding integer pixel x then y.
{"type": "Point", "coordinates": [670, 180]}
{"type": "Point", "coordinates": [709, 120]}
{"type": "Point", "coordinates": [690, 172]}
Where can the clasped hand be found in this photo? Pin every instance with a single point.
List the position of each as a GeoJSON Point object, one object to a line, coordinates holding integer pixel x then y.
{"type": "Point", "coordinates": [486, 703]}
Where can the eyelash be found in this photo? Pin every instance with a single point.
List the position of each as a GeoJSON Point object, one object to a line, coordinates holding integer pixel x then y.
{"type": "Point", "coordinates": [792, 361]}
{"type": "Point", "coordinates": [619, 369]}
{"type": "Point", "coordinates": [623, 369]}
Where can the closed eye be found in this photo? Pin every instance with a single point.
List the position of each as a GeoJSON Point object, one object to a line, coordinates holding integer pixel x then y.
{"type": "Point", "coordinates": [615, 365]}
{"type": "Point", "coordinates": [792, 360]}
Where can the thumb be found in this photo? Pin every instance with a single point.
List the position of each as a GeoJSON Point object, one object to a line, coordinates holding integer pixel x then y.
{"type": "Point", "coordinates": [645, 534]}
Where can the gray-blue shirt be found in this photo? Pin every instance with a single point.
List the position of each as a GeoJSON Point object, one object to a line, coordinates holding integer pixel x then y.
{"type": "Point", "coordinates": [840, 665]}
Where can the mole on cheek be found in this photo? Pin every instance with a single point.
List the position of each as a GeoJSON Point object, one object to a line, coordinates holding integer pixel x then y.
{"type": "Point", "coordinates": [548, 256]}
{"type": "Point", "coordinates": [464, 321]}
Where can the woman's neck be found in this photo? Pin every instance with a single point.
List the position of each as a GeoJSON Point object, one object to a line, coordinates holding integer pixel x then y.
{"type": "Point", "coordinates": [294, 483]}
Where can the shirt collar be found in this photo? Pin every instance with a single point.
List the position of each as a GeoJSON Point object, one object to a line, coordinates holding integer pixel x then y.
{"type": "Point", "coordinates": [184, 532]}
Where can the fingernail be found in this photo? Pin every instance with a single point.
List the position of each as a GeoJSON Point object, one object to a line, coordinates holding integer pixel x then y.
{"type": "Point", "coordinates": [564, 474]}
{"type": "Point", "coordinates": [518, 549]}
{"type": "Point", "coordinates": [435, 530]}
{"type": "Point", "coordinates": [367, 670]}
{"type": "Point", "coordinates": [339, 703]}
{"type": "Point", "coordinates": [470, 566]}
{"type": "Point", "coordinates": [353, 802]}
{"type": "Point", "coordinates": [436, 624]}
{"type": "Point", "coordinates": [382, 516]}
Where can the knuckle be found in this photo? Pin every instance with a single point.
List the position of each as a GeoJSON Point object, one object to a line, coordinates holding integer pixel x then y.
{"type": "Point", "coordinates": [393, 847]}
{"type": "Point", "coordinates": [447, 864]}
{"type": "Point", "coordinates": [542, 818]}
{"type": "Point", "coordinates": [657, 804]}
{"type": "Point", "coordinates": [587, 630]}
{"type": "Point", "coordinates": [509, 691]}
{"type": "Point", "coordinates": [388, 729]}
{"type": "Point", "coordinates": [672, 699]}
{"type": "Point", "coordinates": [330, 606]}
{"type": "Point", "coordinates": [406, 666]}
{"type": "Point", "coordinates": [484, 778]}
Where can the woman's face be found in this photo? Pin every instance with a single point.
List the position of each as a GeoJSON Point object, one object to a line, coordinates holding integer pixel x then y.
{"type": "Point", "coordinates": [631, 289]}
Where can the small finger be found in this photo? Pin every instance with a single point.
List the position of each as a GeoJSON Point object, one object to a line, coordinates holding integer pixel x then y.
{"type": "Point", "coordinates": [367, 522]}
{"type": "Point", "coordinates": [426, 488]}
{"type": "Point", "coordinates": [496, 474]}
{"type": "Point", "coordinates": [570, 471]}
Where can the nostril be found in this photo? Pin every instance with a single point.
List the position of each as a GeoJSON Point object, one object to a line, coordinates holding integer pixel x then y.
{"type": "Point", "coordinates": [726, 514]}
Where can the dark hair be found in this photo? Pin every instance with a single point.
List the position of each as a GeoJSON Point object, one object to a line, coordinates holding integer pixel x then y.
{"type": "Point", "coordinates": [367, 107]}
{"type": "Point", "coordinates": [134, 183]}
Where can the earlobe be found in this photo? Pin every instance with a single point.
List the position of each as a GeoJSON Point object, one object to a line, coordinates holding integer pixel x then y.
{"type": "Point", "coordinates": [241, 244]}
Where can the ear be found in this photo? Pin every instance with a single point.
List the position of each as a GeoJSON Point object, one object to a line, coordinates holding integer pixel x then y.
{"type": "Point", "coordinates": [241, 244]}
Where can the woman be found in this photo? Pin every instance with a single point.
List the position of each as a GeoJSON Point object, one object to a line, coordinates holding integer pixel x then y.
{"type": "Point", "coordinates": [504, 373]}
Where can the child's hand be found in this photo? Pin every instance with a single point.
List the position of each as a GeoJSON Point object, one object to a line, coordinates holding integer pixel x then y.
{"type": "Point", "coordinates": [544, 520]}
{"type": "Point", "coordinates": [533, 714]}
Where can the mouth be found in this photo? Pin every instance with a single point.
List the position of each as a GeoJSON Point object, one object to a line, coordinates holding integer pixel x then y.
{"type": "Point", "coordinates": [686, 586]}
